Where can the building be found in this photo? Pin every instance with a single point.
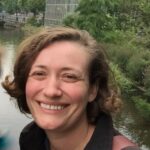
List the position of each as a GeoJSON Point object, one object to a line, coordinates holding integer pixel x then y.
{"type": "Point", "coordinates": [56, 10]}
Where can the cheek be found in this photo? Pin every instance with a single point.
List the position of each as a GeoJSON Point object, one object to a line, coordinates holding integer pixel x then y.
{"type": "Point", "coordinates": [78, 94]}
{"type": "Point", "coordinates": [31, 89]}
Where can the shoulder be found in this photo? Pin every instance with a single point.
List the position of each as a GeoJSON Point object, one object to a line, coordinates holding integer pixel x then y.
{"type": "Point", "coordinates": [30, 127]}
{"type": "Point", "coordinates": [31, 136]}
{"type": "Point", "coordinates": [29, 130]}
{"type": "Point", "coordinates": [121, 142]}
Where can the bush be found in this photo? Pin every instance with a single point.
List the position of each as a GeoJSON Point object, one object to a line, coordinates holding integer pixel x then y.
{"type": "Point", "coordinates": [143, 38]}
{"type": "Point", "coordinates": [29, 29]}
{"type": "Point", "coordinates": [124, 83]}
{"type": "Point", "coordinates": [136, 67]}
{"type": "Point", "coordinates": [147, 82]}
{"type": "Point", "coordinates": [94, 16]}
{"type": "Point", "coordinates": [142, 106]}
{"type": "Point", "coordinates": [115, 37]}
{"type": "Point", "coordinates": [120, 54]}
{"type": "Point", "coordinates": [34, 22]}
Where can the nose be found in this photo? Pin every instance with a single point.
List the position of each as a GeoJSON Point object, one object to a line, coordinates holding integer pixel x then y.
{"type": "Point", "coordinates": [52, 89]}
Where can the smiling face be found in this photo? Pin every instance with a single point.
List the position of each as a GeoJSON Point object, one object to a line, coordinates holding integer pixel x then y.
{"type": "Point", "coordinates": [57, 88]}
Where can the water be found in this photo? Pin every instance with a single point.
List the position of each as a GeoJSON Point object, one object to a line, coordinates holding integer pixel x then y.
{"type": "Point", "coordinates": [12, 121]}
{"type": "Point", "coordinates": [130, 123]}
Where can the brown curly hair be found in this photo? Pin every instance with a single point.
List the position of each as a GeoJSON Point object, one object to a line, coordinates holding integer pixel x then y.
{"type": "Point", "coordinates": [106, 100]}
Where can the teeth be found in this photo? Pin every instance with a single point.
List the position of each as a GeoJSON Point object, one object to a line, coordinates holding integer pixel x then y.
{"type": "Point", "coordinates": [51, 107]}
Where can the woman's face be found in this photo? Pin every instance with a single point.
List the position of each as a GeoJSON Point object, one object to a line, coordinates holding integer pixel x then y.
{"type": "Point", "coordinates": [57, 88]}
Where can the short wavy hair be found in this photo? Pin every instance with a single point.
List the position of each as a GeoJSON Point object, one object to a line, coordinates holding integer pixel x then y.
{"type": "Point", "coordinates": [99, 73]}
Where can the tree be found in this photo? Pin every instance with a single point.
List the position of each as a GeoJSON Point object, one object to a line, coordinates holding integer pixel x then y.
{"type": "Point", "coordinates": [23, 6]}
{"type": "Point", "coordinates": [1, 5]}
{"type": "Point", "coordinates": [11, 6]}
{"type": "Point", "coordinates": [102, 16]}
{"type": "Point", "coordinates": [26, 6]}
{"type": "Point", "coordinates": [95, 16]}
{"type": "Point", "coordinates": [36, 6]}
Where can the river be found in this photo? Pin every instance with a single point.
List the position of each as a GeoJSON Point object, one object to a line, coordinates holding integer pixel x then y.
{"type": "Point", "coordinates": [12, 121]}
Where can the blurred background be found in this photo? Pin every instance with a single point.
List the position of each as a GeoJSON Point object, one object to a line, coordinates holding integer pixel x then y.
{"type": "Point", "coordinates": [123, 27]}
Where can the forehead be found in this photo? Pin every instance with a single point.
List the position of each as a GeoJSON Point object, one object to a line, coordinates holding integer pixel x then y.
{"type": "Point", "coordinates": [64, 53]}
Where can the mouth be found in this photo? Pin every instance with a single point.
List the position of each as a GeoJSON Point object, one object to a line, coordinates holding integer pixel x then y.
{"type": "Point", "coordinates": [53, 106]}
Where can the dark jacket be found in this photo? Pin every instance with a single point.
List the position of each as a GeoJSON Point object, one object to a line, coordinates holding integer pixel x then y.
{"type": "Point", "coordinates": [33, 138]}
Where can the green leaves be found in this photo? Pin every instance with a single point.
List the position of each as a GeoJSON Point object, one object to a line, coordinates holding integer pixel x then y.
{"type": "Point", "coordinates": [10, 6]}
{"type": "Point", "coordinates": [14, 6]}
{"type": "Point", "coordinates": [94, 16]}
{"type": "Point", "coordinates": [142, 106]}
{"type": "Point", "coordinates": [124, 83]}
{"type": "Point", "coordinates": [110, 15]}
{"type": "Point", "coordinates": [36, 6]}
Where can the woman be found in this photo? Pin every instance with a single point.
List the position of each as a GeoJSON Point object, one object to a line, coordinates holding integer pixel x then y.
{"type": "Point", "coordinates": [61, 77]}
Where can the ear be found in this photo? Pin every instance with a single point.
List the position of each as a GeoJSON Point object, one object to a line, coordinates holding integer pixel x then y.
{"type": "Point", "coordinates": [93, 92]}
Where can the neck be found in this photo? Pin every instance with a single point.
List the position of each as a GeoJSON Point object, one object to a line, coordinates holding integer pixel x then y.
{"type": "Point", "coordinates": [74, 139]}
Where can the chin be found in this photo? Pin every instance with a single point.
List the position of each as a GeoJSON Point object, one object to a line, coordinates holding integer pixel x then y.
{"type": "Point", "coordinates": [48, 125]}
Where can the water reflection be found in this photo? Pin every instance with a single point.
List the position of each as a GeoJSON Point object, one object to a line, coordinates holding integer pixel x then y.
{"type": "Point", "coordinates": [11, 120]}
{"type": "Point", "coordinates": [10, 36]}
{"type": "Point", "coordinates": [133, 126]}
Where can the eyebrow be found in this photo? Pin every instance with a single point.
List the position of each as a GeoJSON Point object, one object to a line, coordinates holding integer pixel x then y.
{"type": "Point", "coordinates": [63, 68]}
{"type": "Point", "coordinates": [70, 69]}
{"type": "Point", "coordinates": [39, 66]}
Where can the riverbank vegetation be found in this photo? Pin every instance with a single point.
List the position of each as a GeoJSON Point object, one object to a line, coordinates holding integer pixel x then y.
{"type": "Point", "coordinates": [124, 27]}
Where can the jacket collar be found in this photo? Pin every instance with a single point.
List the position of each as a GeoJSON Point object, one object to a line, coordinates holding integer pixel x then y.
{"type": "Point", "coordinates": [103, 135]}
{"type": "Point", "coordinates": [33, 137]}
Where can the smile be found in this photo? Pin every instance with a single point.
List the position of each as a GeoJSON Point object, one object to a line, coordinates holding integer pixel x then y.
{"type": "Point", "coordinates": [52, 107]}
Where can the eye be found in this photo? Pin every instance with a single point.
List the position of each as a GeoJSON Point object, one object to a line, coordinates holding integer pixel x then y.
{"type": "Point", "coordinates": [68, 77]}
{"type": "Point", "coordinates": [38, 75]}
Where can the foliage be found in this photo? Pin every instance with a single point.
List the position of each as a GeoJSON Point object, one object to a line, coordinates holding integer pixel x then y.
{"type": "Point", "coordinates": [1, 5]}
{"type": "Point", "coordinates": [11, 6]}
{"type": "Point", "coordinates": [24, 6]}
{"type": "Point", "coordinates": [123, 49]}
{"type": "Point", "coordinates": [147, 82]}
{"type": "Point", "coordinates": [136, 66]}
{"type": "Point", "coordinates": [142, 106]}
{"type": "Point", "coordinates": [132, 13]}
{"type": "Point", "coordinates": [123, 82]}
{"type": "Point", "coordinates": [120, 54]}
{"type": "Point", "coordinates": [34, 22]}
{"type": "Point", "coordinates": [105, 18]}
{"type": "Point", "coordinates": [143, 38]}
{"type": "Point", "coordinates": [93, 16]}
{"type": "Point", "coordinates": [114, 36]}
{"type": "Point", "coordinates": [134, 62]}
{"type": "Point", "coordinates": [36, 6]}
{"type": "Point", "coordinates": [28, 29]}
